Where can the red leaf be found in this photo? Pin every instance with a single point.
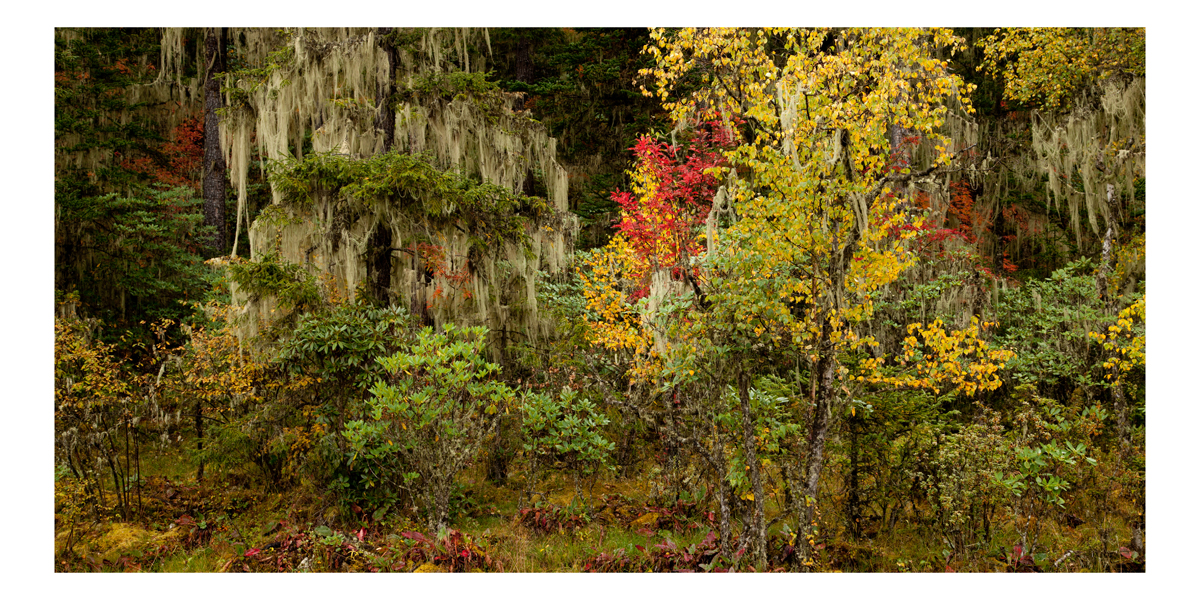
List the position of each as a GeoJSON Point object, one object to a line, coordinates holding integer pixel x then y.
{"type": "Point", "coordinates": [413, 535]}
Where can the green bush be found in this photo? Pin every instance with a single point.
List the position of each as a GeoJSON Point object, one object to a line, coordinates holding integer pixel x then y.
{"type": "Point", "coordinates": [563, 431]}
{"type": "Point", "coordinates": [133, 258]}
{"type": "Point", "coordinates": [429, 415]}
{"type": "Point", "coordinates": [1046, 323]}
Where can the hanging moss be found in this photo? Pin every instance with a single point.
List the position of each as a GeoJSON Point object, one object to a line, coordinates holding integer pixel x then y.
{"type": "Point", "coordinates": [410, 183]}
{"type": "Point", "coordinates": [449, 86]}
{"type": "Point", "coordinates": [1100, 142]}
{"type": "Point", "coordinates": [468, 184]}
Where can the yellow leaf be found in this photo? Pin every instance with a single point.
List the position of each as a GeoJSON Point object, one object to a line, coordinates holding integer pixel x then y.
{"type": "Point", "coordinates": [646, 519]}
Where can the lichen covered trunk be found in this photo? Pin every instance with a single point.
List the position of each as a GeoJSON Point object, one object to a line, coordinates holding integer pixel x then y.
{"type": "Point", "coordinates": [213, 181]}
{"type": "Point", "coordinates": [439, 509]}
{"type": "Point", "coordinates": [724, 496]}
{"type": "Point", "coordinates": [1107, 247]}
{"type": "Point", "coordinates": [819, 422]}
{"type": "Point", "coordinates": [756, 537]}
{"type": "Point", "coordinates": [360, 94]}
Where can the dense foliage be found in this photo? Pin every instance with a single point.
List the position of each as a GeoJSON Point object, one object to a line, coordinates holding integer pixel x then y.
{"type": "Point", "coordinates": [577, 82]}
{"type": "Point", "coordinates": [812, 327]}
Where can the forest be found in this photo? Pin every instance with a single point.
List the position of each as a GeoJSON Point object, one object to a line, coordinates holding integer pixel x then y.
{"type": "Point", "coordinates": [605, 300]}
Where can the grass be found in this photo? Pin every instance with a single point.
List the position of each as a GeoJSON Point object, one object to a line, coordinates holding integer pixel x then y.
{"type": "Point", "coordinates": [208, 526]}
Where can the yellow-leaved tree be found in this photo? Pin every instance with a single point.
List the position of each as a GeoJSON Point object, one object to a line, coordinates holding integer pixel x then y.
{"type": "Point", "coordinates": [810, 221]}
{"type": "Point", "coordinates": [1097, 76]}
{"type": "Point", "coordinates": [1048, 67]}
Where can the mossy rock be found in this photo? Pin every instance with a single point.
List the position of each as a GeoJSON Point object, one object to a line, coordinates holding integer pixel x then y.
{"type": "Point", "coordinates": [647, 520]}
{"type": "Point", "coordinates": [429, 568]}
{"type": "Point", "coordinates": [123, 539]}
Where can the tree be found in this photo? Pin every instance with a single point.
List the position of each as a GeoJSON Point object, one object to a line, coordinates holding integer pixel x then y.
{"type": "Point", "coordinates": [94, 405]}
{"type": "Point", "coordinates": [576, 82]}
{"type": "Point", "coordinates": [1061, 69]}
{"type": "Point", "coordinates": [214, 159]}
{"type": "Point", "coordinates": [128, 233]}
{"type": "Point", "coordinates": [1086, 89]}
{"type": "Point", "coordinates": [812, 220]}
{"type": "Point", "coordinates": [1049, 67]}
{"type": "Point", "coordinates": [135, 257]}
{"type": "Point", "coordinates": [430, 415]}
{"type": "Point", "coordinates": [563, 431]}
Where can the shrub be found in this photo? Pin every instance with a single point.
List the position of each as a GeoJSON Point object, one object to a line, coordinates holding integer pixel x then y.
{"type": "Point", "coordinates": [97, 409]}
{"type": "Point", "coordinates": [429, 415]}
{"type": "Point", "coordinates": [960, 473]}
{"type": "Point", "coordinates": [563, 432]}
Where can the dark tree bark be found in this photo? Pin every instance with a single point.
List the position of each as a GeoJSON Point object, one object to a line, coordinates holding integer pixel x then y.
{"type": "Point", "coordinates": [724, 496]}
{"type": "Point", "coordinates": [523, 62]}
{"type": "Point", "coordinates": [757, 536]}
{"type": "Point", "coordinates": [213, 182]}
{"type": "Point", "coordinates": [198, 422]}
{"type": "Point", "coordinates": [854, 502]}
{"type": "Point", "coordinates": [379, 269]}
{"type": "Point", "coordinates": [499, 453]}
{"type": "Point", "coordinates": [385, 121]}
{"type": "Point", "coordinates": [818, 431]}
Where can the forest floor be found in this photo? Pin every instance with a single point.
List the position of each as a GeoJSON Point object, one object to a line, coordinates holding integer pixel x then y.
{"type": "Point", "coordinates": [227, 523]}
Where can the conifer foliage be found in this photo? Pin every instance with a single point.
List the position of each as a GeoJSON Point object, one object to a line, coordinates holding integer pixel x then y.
{"type": "Point", "coordinates": [841, 321]}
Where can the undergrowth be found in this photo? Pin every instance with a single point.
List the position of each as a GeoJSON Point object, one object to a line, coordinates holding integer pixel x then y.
{"type": "Point", "coordinates": [218, 526]}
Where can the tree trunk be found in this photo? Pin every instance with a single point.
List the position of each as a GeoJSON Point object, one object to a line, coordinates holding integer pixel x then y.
{"type": "Point", "coordinates": [756, 537]}
{"type": "Point", "coordinates": [199, 424]}
{"type": "Point", "coordinates": [379, 267]}
{"type": "Point", "coordinates": [441, 512]}
{"type": "Point", "coordinates": [128, 471]}
{"type": "Point", "coordinates": [499, 453]}
{"type": "Point", "coordinates": [854, 501]}
{"type": "Point", "coordinates": [439, 509]}
{"type": "Point", "coordinates": [724, 494]}
{"type": "Point", "coordinates": [1110, 308]}
{"type": "Point", "coordinates": [818, 430]}
{"type": "Point", "coordinates": [213, 181]}
{"type": "Point", "coordinates": [522, 65]}
{"type": "Point", "coordinates": [385, 121]}
{"type": "Point", "coordinates": [716, 460]}
{"type": "Point", "coordinates": [137, 457]}
{"type": "Point", "coordinates": [523, 69]}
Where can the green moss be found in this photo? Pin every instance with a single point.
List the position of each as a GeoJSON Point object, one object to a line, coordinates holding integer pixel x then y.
{"type": "Point", "coordinates": [278, 217]}
{"type": "Point", "coordinates": [403, 37]}
{"type": "Point", "coordinates": [271, 276]}
{"type": "Point", "coordinates": [472, 87]}
{"type": "Point", "coordinates": [453, 84]}
{"type": "Point", "coordinates": [241, 83]}
{"type": "Point", "coordinates": [411, 183]}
